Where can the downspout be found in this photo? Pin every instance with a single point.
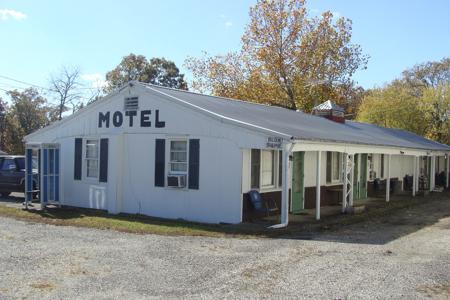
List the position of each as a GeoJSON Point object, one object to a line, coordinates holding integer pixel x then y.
{"type": "Point", "coordinates": [285, 192]}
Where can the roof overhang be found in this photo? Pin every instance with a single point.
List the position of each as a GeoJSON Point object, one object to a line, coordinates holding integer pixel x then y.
{"type": "Point", "coordinates": [303, 145]}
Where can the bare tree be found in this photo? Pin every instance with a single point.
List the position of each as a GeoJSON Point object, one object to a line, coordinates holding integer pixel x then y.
{"type": "Point", "coordinates": [66, 87]}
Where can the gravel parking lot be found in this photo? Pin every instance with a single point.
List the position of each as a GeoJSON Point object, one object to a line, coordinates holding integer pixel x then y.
{"type": "Point", "coordinates": [405, 255]}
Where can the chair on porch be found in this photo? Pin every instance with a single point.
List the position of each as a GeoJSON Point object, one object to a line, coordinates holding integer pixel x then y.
{"type": "Point", "coordinates": [261, 205]}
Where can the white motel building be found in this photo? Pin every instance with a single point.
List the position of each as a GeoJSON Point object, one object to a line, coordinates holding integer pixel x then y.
{"type": "Point", "coordinates": [175, 154]}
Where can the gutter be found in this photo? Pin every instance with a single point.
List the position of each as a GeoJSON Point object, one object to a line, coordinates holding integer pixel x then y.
{"type": "Point", "coordinates": [285, 194]}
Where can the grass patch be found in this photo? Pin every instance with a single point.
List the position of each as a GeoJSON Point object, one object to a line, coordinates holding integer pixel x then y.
{"type": "Point", "coordinates": [393, 211]}
{"type": "Point", "coordinates": [138, 224]}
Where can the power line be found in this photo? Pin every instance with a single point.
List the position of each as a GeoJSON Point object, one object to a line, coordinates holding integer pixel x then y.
{"type": "Point", "coordinates": [40, 87]}
{"type": "Point", "coordinates": [24, 82]}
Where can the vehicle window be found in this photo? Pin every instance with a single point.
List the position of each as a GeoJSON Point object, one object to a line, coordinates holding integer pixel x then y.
{"type": "Point", "coordinates": [8, 164]}
{"type": "Point", "coordinates": [21, 163]}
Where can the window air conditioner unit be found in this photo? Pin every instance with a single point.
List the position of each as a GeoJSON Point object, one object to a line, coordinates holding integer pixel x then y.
{"type": "Point", "coordinates": [176, 181]}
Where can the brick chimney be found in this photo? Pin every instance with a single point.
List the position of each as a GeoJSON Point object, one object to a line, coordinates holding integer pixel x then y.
{"type": "Point", "coordinates": [330, 110]}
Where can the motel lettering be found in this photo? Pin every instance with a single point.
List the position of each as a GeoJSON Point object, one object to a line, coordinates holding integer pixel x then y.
{"type": "Point", "coordinates": [144, 118]}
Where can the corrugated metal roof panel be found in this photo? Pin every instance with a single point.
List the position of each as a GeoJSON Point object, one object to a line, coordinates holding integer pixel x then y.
{"type": "Point", "coordinates": [299, 125]}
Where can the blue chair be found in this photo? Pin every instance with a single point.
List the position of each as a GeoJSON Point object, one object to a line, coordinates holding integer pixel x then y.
{"type": "Point", "coordinates": [261, 205]}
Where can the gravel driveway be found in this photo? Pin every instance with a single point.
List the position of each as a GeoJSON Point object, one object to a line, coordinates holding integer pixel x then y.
{"type": "Point", "coordinates": [406, 255]}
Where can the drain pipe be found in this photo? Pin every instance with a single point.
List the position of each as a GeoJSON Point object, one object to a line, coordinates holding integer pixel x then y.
{"type": "Point", "coordinates": [285, 191]}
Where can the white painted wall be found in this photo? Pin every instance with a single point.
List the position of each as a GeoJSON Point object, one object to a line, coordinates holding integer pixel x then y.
{"type": "Point", "coordinates": [130, 187]}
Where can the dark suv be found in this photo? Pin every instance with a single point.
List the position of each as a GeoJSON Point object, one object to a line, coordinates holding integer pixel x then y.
{"type": "Point", "coordinates": [12, 174]}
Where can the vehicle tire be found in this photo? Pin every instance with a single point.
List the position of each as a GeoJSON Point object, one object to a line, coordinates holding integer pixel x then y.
{"type": "Point", "coordinates": [4, 194]}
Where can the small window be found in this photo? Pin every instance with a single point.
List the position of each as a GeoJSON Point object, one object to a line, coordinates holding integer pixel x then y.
{"type": "Point", "coordinates": [178, 157]}
{"type": "Point", "coordinates": [255, 168]}
{"type": "Point", "coordinates": [91, 156]}
{"type": "Point", "coordinates": [268, 168]}
{"type": "Point", "coordinates": [131, 103]}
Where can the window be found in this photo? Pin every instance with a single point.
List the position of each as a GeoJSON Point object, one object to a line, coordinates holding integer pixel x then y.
{"type": "Point", "coordinates": [268, 168]}
{"type": "Point", "coordinates": [382, 166]}
{"type": "Point", "coordinates": [8, 164]}
{"type": "Point", "coordinates": [255, 168]}
{"type": "Point", "coordinates": [334, 167]}
{"type": "Point", "coordinates": [91, 156]}
{"type": "Point", "coordinates": [178, 157]}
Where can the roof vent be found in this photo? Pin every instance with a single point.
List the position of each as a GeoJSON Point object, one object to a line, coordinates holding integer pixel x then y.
{"type": "Point", "coordinates": [131, 103]}
{"type": "Point", "coordinates": [330, 110]}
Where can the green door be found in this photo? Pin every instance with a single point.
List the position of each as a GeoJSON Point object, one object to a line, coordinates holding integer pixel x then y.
{"type": "Point", "coordinates": [363, 177]}
{"type": "Point", "coordinates": [355, 179]}
{"type": "Point", "coordinates": [298, 175]}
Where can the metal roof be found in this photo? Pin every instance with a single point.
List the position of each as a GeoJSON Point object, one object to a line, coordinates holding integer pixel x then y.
{"type": "Point", "coordinates": [299, 125]}
{"type": "Point", "coordinates": [328, 105]}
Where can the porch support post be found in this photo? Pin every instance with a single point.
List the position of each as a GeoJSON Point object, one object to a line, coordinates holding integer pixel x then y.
{"type": "Point", "coordinates": [414, 176]}
{"type": "Point", "coordinates": [432, 172]}
{"type": "Point", "coordinates": [318, 174]}
{"type": "Point", "coordinates": [285, 190]}
{"type": "Point", "coordinates": [418, 174]}
{"type": "Point", "coordinates": [344, 187]}
{"type": "Point", "coordinates": [447, 168]}
{"type": "Point", "coordinates": [352, 178]}
{"type": "Point", "coordinates": [388, 177]}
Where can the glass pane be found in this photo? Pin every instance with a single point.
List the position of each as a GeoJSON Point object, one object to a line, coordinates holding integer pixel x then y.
{"type": "Point", "coordinates": [178, 156]}
{"type": "Point", "coordinates": [178, 145]}
{"type": "Point", "coordinates": [91, 149]}
{"type": "Point", "coordinates": [92, 168]}
{"type": "Point", "coordinates": [268, 162]}
{"type": "Point", "coordinates": [178, 167]}
{"type": "Point", "coordinates": [35, 163]}
{"type": "Point", "coordinates": [255, 169]}
{"type": "Point", "coordinates": [8, 164]}
{"type": "Point", "coordinates": [336, 165]}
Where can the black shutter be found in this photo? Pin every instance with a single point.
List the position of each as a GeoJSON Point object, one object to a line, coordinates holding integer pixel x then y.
{"type": "Point", "coordinates": [77, 159]}
{"type": "Point", "coordinates": [194, 163]}
{"type": "Point", "coordinates": [103, 160]}
{"type": "Point", "coordinates": [160, 157]}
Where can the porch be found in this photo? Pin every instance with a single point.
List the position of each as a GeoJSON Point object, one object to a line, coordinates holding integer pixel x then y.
{"type": "Point", "coordinates": [332, 214]}
{"type": "Point", "coordinates": [347, 178]}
